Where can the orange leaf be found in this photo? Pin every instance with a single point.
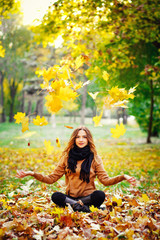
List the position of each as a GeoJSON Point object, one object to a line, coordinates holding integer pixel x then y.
{"type": "Point", "coordinates": [69, 127]}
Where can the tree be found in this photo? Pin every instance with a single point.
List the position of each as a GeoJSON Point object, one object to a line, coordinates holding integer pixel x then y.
{"type": "Point", "coordinates": [7, 7]}
{"type": "Point", "coordinates": [16, 40]}
{"type": "Point", "coordinates": [112, 34]}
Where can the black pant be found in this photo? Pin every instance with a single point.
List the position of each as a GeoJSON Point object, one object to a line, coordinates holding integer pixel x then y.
{"type": "Point", "coordinates": [95, 199]}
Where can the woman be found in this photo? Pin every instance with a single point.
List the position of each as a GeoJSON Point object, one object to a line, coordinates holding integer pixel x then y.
{"type": "Point", "coordinates": [80, 164]}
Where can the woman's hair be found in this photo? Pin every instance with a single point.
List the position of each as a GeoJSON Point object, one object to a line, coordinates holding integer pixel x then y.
{"type": "Point", "coordinates": [73, 137]}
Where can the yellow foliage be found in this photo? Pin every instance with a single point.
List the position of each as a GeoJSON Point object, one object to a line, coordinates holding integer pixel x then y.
{"type": "Point", "coordinates": [58, 211]}
{"type": "Point", "coordinates": [105, 76]}
{"type": "Point", "coordinates": [79, 62]}
{"type": "Point", "coordinates": [117, 200]}
{"type": "Point", "coordinates": [118, 131]}
{"type": "Point", "coordinates": [93, 95]}
{"type": "Point", "coordinates": [70, 105]}
{"type": "Point", "coordinates": [144, 198]}
{"type": "Point", "coordinates": [53, 103]}
{"type": "Point", "coordinates": [120, 94]}
{"type": "Point", "coordinates": [19, 117]}
{"type": "Point", "coordinates": [40, 121]}
{"type": "Point", "coordinates": [2, 51]}
{"type": "Point", "coordinates": [93, 209]}
{"type": "Point", "coordinates": [97, 120]}
{"type": "Point", "coordinates": [129, 233]}
{"type": "Point", "coordinates": [49, 148]}
{"type": "Point", "coordinates": [67, 93]}
{"type": "Point", "coordinates": [25, 124]}
{"type": "Point", "coordinates": [58, 142]}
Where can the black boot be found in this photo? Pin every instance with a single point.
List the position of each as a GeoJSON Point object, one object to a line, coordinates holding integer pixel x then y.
{"type": "Point", "coordinates": [76, 205]}
{"type": "Point", "coordinates": [86, 200]}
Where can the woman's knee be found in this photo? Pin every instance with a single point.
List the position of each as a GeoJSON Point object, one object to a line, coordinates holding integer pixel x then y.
{"type": "Point", "coordinates": [97, 197]}
{"type": "Point", "coordinates": [58, 198]}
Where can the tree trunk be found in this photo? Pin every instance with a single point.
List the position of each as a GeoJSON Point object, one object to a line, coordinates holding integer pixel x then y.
{"type": "Point", "coordinates": [151, 114]}
{"type": "Point", "coordinates": [39, 107]}
{"type": "Point", "coordinates": [29, 107]}
{"type": "Point", "coordinates": [22, 105]}
{"type": "Point", "coordinates": [124, 115]}
{"type": "Point", "coordinates": [3, 116]}
{"type": "Point", "coordinates": [118, 115]}
{"type": "Point", "coordinates": [13, 90]}
{"type": "Point", "coordinates": [84, 99]}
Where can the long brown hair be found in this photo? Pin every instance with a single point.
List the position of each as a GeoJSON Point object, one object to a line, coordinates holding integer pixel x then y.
{"type": "Point", "coordinates": [73, 137]}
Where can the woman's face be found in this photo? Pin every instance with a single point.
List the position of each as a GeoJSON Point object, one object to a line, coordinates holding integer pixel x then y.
{"type": "Point", "coordinates": [81, 139]}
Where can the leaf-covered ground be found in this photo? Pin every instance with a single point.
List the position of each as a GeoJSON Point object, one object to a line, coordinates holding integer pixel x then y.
{"type": "Point", "coordinates": [26, 211]}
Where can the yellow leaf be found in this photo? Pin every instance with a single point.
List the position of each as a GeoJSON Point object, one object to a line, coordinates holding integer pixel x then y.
{"type": "Point", "coordinates": [26, 135]}
{"type": "Point", "coordinates": [53, 103]}
{"type": "Point", "coordinates": [2, 51]}
{"type": "Point", "coordinates": [25, 124]}
{"type": "Point", "coordinates": [117, 200]}
{"type": "Point", "coordinates": [49, 148]}
{"type": "Point", "coordinates": [93, 95]}
{"type": "Point", "coordinates": [19, 117]}
{"type": "Point", "coordinates": [57, 211]}
{"type": "Point", "coordinates": [118, 131]}
{"type": "Point", "coordinates": [77, 86]}
{"type": "Point", "coordinates": [79, 62]}
{"type": "Point", "coordinates": [120, 94]}
{"type": "Point", "coordinates": [2, 232]}
{"type": "Point", "coordinates": [48, 74]}
{"type": "Point", "coordinates": [58, 142]}
{"type": "Point", "coordinates": [144, 198]}
{"type": "Point", "coordinates": [105, 76]}
{"type": "Point", "coordinates": [129, 233]}
{"type": "Point", "coordinates": [93, 209]}
{"type": "Point", "coordinates": [67, 93]}
{"type": "Point", "coordinates": [97, 120]}
{"type": "Point", "coordinates": [40, 121]}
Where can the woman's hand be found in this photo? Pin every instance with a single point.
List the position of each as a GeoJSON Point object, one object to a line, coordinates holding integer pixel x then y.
{"type": "Point", "coordinates": [131, 180]}
{"type": "Point", "coordinates": [22, 174]}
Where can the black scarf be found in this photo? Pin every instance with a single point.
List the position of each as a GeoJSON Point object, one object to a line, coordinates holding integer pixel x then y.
{"type": "Point", "coordinates": [76, 154]}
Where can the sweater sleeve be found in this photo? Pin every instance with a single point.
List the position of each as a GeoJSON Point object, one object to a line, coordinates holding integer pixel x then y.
{"type": "Point", "coordinates": [103, 176]}
{"type": "Point", "coordinates": [52, 178]}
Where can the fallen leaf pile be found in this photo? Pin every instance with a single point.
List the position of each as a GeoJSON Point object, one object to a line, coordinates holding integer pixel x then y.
{"type": "Point", "coordinates": [26, 210]}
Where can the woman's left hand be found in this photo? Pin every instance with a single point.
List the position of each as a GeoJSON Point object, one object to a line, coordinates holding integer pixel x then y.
{"type": "Point", "coordinates": [130, 179]}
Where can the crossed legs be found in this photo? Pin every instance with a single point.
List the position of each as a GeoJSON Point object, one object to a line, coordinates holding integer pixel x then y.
{"type": "Point", "coordinates": [95, 199]}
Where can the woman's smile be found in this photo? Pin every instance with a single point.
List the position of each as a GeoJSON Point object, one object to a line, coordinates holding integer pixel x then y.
{"type": "Point", "coordinates": [81, 139]}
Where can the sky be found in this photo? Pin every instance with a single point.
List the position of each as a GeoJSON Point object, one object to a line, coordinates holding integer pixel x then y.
{"type": "Point", "coordinates": [33, 9]}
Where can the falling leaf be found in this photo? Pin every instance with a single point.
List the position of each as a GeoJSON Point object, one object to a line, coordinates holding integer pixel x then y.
{"type": "Point", "coordinates": [49, 148]}
{"type": "Point", "coordinates": [53, 103]}
{"type": "Point", "coordinates": [86, 83]}
{"type": "Point", "coordinates": [69, 127]}
{"type": "Point", "coordinates": [118, 131]}
{"type": "Point", "coordinates": [105, 76]}
{"type": "Point", "coordinates": [93, 95]}
{"type": "Point", "coordinates": [26, 135]}
{"type": "Point", "coordinates": [40, 121]}
{"type": "Point", "coordinates": [19, 117]}
{"type": "Point", "coordinates": [25, 124]}
{"type": "Point", "coordinates": [58, 142]}
{"type": "Point", "coordinates": [97, 120]}
{"type": "Point", "coordinates": [2, 51]}
{"type": "Point", "coordinates": [79, 62]}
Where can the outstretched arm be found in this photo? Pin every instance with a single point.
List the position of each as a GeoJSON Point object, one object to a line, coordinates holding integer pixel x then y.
{"type": "Point", "coordinates": [52, 178]}
{"type": "Point", "coordinates": [130, 179]}
{"type": "Point", "coordinates": [107, 181]}
{"type": "Point", "coordinates": [22, 173]}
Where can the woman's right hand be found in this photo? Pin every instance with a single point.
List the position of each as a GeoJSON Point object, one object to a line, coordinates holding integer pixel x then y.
{"type": "Point", "coordinates": [22, 173]}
